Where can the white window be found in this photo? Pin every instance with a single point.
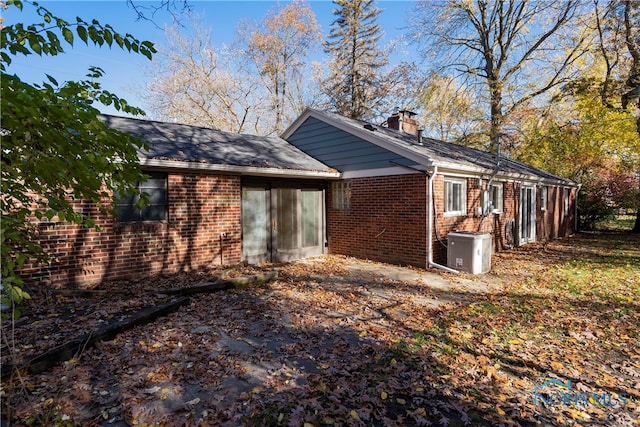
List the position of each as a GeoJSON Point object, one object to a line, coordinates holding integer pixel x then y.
{"type": "Point", "coordinates": [567, 192]}
{"type": "Point", "coordinates": [341, 191]}
{"type": "Point", "coordinates": [494, 198]}
{"type": "Point", "coordinates": [543, 198]}
{"type": "Point", "coordinates": [455, 196]}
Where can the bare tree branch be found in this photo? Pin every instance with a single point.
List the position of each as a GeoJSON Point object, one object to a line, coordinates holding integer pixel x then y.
{"type": "Point", "coordinates": [498, 42]}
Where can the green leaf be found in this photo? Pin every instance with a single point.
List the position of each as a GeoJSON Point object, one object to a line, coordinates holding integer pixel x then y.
{"type": "Point", "coordinates": [94, 35]}
{"type": "Point", "coordinates": [68, 35]}
{"type": "Point", "coordinates": [52, 80]}
{"type": "Point", "coordinates": [16, 3]}
{"type": "Point", "coordinates": [35, 44]}
{"type": "Point", "coordinates": [5, 58]}
{"type": "Point", "coordinates": [119, 40]}
{"type": "Point", "coordinates": [149, 45]}
{"type": "Point", "coordinates": [53, 40]}
{"type": "Point", "coordinates": [108, 37]}
{"type": "Point", "coordinates": [82, 33]}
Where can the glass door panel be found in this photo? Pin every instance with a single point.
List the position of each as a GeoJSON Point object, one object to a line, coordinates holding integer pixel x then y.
{"type": "Point", "coordinates": [281, 224]}
{"type": "Point", "coordinates": [311, 227]}
{"type": "Point", "coordinates": [286, 227]}
{"type": "Point", "coordinates": [527, 214]}
{"type": "Point", "coordinates": [255, 225]}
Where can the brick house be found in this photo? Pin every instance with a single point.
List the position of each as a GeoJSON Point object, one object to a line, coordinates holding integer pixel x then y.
{"type": "Point", "coordinates": [400, 194]}
{"type": "Point", "coordinates": [216, 198]}
{"type": "Point", "coordinates": [329, 184]}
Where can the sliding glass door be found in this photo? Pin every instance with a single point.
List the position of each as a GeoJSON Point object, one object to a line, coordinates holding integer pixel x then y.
{"type": "Point", "coordinates": [281, 224]}
{"type": "Point", "coordinates": [527, 214]}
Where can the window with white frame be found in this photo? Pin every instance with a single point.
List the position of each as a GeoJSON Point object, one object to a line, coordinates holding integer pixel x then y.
{"type": "Point", "coordinates": [455, 196]}
{"type": "Point", "coordinates": [341, 191]}
{"type": "Point", "coordinates": [494, 198]}
{"type": "Point", "coordinates": [543, 198]}
{"type": "Point", "coordinates": [567, 192]}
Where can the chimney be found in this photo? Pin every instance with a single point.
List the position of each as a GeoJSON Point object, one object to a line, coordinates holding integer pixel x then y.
{"type": "Point", "coordinates": [405, 121]}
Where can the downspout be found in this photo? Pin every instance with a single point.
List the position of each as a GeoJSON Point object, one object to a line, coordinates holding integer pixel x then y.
{"type": "Point", "coordinates": [430, 197]}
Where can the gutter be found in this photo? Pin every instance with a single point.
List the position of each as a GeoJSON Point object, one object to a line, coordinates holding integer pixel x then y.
{"type": "Point", "coordinates": [233, 169]}
{"type": "Point", "coordinates": [430, 219]}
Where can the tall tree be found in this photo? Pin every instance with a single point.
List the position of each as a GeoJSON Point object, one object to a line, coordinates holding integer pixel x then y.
{"type": "Point", "coordinates": [195, 82]}
{"type": "Point", "coordinates": [632, 96]}
{"type": "Point", "coordinates": [517, 49]}
{"type": "Point", "coordinates": [609, 47]}
{"type": "Point", "coordinates": [631, 13]}
{"type": "Point", "coordinates": [447, 111]}
{"type": "Point", "coordinates": [278, 47]}
{"type": "Point", "coordinates": [593, 144]}
{"type": "Point", "coordinates": [614, 74]}
{"type": "Point", "coordinates": [147, 10]}
{"type": "Point", "coordinates": [54, 146]}
{"type": "Point", "coordinates": [357, 59]}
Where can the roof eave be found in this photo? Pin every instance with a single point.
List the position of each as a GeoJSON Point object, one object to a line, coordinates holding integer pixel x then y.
{"type": "Point", "coordinates": [450, 167]}
{"type": "Point", "coordinates": [415, 156]}
{"type": "Point", "coordinates": [233, 169]}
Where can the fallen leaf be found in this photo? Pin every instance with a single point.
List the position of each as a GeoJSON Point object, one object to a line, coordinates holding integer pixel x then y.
{"type": "Point", "coordinates": [193, 401]}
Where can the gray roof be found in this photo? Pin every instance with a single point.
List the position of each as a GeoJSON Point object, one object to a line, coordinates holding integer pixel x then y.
{"type": "Point", "coordinates": [192, 144]}
{"type": "Point", "coordinates": [434, 151]}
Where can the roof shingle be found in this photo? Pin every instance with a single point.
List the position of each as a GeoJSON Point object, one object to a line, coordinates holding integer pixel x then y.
{"type": "Point", "coordinates": [178, 142]}
{"type": "Point", "coordinates": [441, 152]}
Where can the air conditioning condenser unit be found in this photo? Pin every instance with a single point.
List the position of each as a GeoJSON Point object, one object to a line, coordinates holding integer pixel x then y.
{"type": "Point", "coordinates": [470, 252]}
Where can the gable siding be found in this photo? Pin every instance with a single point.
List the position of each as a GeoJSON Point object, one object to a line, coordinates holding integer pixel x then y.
{"type": "Point", "coordinates": [341, 150]}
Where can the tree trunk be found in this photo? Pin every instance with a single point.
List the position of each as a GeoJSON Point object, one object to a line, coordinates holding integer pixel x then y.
{"type": "Point", "coordinates": [495, 129]}
{"type": "Point", "coordinates": [636, 227]}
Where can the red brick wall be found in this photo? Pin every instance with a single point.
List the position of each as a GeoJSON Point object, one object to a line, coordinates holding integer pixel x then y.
{"type": "Point", "coordinates": [386, 221]}
{"type": "Point", "coordinates": [200, 208]}
{"type": "Point", "coordinates": [552, 222]}
{"type": "Point", "coordinates": [494, 224]}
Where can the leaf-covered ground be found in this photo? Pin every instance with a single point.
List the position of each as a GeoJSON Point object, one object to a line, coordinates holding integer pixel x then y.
{"type": "Point", "coordinates": [552, 341]}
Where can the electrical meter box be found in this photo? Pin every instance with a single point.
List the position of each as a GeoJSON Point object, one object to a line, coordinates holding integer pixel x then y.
{"type": "Point", "coordinates": [470, 252]}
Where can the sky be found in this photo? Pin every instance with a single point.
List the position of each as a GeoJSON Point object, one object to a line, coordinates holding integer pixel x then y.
{"type": "Point", "coordinates": [127, 74]}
